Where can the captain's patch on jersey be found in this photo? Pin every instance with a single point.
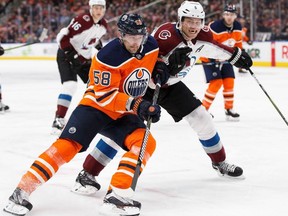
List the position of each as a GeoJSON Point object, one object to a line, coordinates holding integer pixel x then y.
{"type": "Point", "coordinates": [137, 82]}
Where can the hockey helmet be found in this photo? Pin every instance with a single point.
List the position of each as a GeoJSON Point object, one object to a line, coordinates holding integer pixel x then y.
{"type": "Point", "coordinates": [230, 8]}
{"type": "Point", "coordinates": [97, 2]}
{"type": "Point", "coordinates": [131, 24]}
{"type": "Point", "coordinates": [191, 9]}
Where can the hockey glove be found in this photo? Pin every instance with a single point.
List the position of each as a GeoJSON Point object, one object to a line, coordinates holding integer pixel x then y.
{"type": "Point", "coordinates": [145, 109]}
{"type": "Point", "coordinates": [72, 57]}
{"type": "Point", "coordinates": [99, 45]}
{"type": "Point", "coordinates": [240, 59]}
{"type": "Point", "coordinates": [177, 60]}
{"type": "Point", "coordinates": [162, 71]}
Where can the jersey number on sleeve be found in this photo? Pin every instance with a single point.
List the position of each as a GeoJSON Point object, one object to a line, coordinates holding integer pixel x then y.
{"type": "Point", "coordinates": [76, 26]}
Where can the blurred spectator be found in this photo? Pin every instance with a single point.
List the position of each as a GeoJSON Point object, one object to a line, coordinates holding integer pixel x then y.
{"type": "Point", "coordinates": [30, 16]}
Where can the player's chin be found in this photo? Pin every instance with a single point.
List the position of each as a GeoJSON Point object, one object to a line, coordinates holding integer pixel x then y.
{"type": "Point", "coordinates": [193, 33]}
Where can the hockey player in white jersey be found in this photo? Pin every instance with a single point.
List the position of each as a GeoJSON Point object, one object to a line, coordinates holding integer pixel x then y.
{"type": "Point", "coordinates": [181, 44]}
{"type": "Point", "coordinates": [76, 44]}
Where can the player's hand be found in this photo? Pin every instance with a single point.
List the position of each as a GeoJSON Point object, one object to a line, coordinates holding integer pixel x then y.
{"type": "Point", "coordinates": [177, 60]}
{"type": "Point", "coordinates": [72, 57]}
{"type": "Point", "coordinates": [145, 109]}
{"type": "Point", "coordinates": [240, 59]}
{"type": "Point", "coordinates": [99, 45]}
{"type": "Point", "coordinates": [160, 70]}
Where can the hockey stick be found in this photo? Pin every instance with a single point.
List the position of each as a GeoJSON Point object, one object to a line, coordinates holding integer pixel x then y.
{"type": "Point", "coordinates": [40, 39]}
{"type": "Point", "coordinates": [282, 116]}
{"type": "Point", "coordinates": [145, 139]}
{"type": "Point", "coordinates": [211, 63]}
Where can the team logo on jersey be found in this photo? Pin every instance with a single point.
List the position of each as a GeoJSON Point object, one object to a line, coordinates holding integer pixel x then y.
{"type": "Point", "coordinates": [86, 18]}
{"type": "Point", "coordinates": [230, 42]}
{"type": "Point", "coordinates": [72, 130]}
{"type": "Point", "coordinates": [90, 43]}
{"type": "Point", "coordinates": [137, 82]}
{"type": "Point", "coordinates": [164, 34]}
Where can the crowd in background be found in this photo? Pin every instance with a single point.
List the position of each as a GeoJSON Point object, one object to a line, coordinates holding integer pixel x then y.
{"type": "Point", "coordinates": [23, 21]}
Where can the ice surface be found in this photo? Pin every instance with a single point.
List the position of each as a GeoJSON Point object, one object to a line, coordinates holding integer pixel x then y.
{"type": "Point", "coordinates": [179, 179]}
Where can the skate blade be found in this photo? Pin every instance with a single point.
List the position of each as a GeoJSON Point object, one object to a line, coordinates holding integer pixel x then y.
{"type": "Point", "coordinates": [86, 191]}
{"type": "Point", "coordinates": [232, 119]}
{"type": "Point", "coordinates": [15, 209]}
{"type": "Point", "coordinates": [109, 209]}
{"type": "Point", "coordinates": [242, 177]}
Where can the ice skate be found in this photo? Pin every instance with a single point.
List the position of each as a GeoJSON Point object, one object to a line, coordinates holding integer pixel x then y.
{"type": "Point", "coordinates": [231, 115]}
{"type": "Point", "coordinates": [225, 169]}
{"type": "Point", "coordinates": [4, 108]}
{"type": "Point", "coordinates": [58, 125]}
{"type": "Point", "coordinates": [115, 205]}
{"type": "Point", "coordinates": [18, 203]}
{"type": "Point", "coordinates": [86, 184]}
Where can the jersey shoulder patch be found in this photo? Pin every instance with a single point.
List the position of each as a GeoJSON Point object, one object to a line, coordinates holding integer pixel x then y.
{"type": "Point", "coordinates": [204, 35]}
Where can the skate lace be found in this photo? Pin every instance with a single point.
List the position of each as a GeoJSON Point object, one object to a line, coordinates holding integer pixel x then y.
{"type": "Point", "coordinates": [85, 177]}
{"type": "Point", "coordinates": [20, 196]}
{"type": "Point", "coordinates": [227, 167]}
{"type": "Point", "coordinates": [60, 122]}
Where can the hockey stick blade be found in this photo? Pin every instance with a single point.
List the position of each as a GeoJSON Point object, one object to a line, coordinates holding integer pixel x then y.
{"type": "Point", "coordinates": [41, 38]}
{"type": "Point", "coordinates": [278, 110]}
{"type": "Point", "coordinates": [145, 139]}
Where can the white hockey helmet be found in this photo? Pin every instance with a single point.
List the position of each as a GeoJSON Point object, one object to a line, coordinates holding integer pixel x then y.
{"type": "Point", "coordinates": [191, 9]}
{"type": "Point", "coordinates": [97, 2]}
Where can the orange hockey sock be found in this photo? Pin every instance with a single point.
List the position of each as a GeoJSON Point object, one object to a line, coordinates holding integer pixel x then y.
{"type": "Point", "coordinates": [228, 92]}
{"type": "Point", "coordinates": [48, 163]}
{"type": "Point", "coordinates": [210, 94]}
{"type": "Point", "coordinates": [122, 179]}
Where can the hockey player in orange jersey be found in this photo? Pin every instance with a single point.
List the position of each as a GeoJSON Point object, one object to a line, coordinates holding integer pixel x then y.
{"type": "Point", "coordinates": [118, 78]}
{"type": "Point", "coordinates": [181, 43]}
{"type": "Point", "coordinates": [227, 31]}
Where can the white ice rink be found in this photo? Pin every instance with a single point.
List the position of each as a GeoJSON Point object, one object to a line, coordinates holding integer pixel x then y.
{"type": "Point", "coordinates": [179, 179]}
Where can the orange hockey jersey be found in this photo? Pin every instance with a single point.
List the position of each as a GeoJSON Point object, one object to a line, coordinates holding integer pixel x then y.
{"type": "Point", "coordinates": [116, 76]}
{"type": "Point", "coordinates": [229, 36]}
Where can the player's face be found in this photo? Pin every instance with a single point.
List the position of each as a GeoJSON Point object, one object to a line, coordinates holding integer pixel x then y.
{"type": "Point", "coordinates": [191, 27]}
{"type": "Point", "coordinates": [229, 18]}
{"type": "Point", "coordinates": [98, 12]}
{"type": "Point", "coordinates": [132, 42]}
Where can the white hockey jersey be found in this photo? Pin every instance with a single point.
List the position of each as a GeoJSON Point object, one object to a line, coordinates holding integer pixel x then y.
{"type": "Point", "coordinates": [82, 35]}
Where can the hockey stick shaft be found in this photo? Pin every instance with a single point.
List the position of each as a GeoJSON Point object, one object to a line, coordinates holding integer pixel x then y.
{"type": "Point", "coordinates": [145, 139]}
{"type": "Point", "coordinates": [40, 39]}
{"type": "Point", "coordinates": [211, 63]}
{"type": "Point", "coordinates": [278, 110]}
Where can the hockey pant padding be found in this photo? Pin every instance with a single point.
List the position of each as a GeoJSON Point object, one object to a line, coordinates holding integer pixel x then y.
{"type": "Point", "coordinates": [228, 92]}
{"type": "Point", "coordinates": [104, 151]}
{"type": "Point", "coordinates": [65, 97]}
{"type": "Point", "coordinates": [48, 163]}
{"type": "Point", "coordinates": [210, 94]}
{"type": "Point", "coordinates": [122, 179]}
{"type": "Point", "coordinates": [201, 122]}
